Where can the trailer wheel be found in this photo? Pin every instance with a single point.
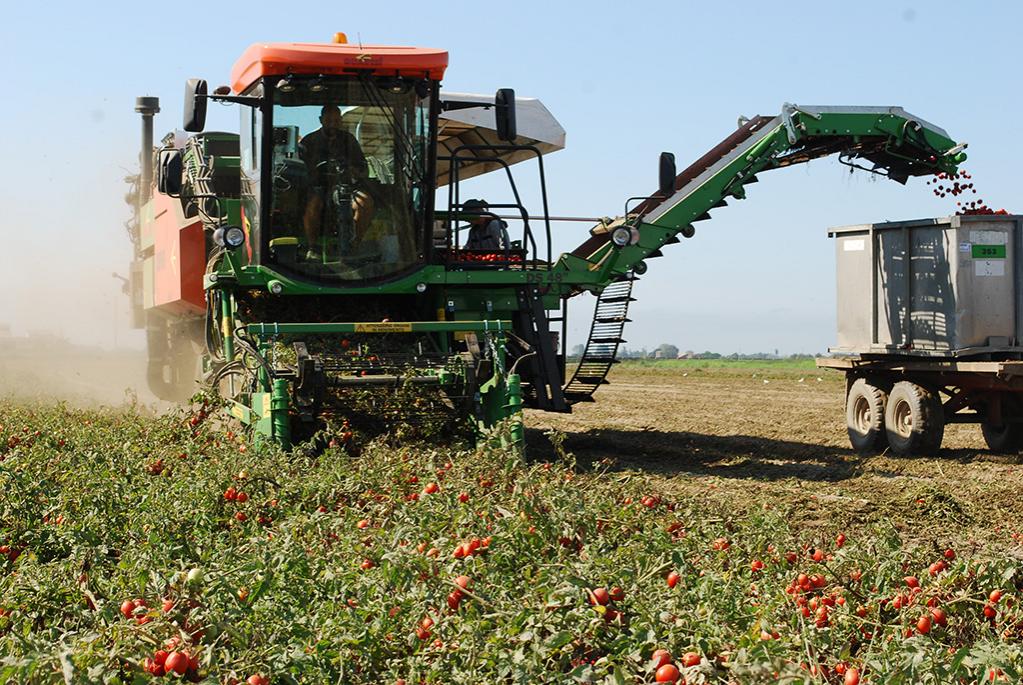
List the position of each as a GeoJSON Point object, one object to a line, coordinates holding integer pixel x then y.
{"type": "Point", "coordinates": [914, 420]}
{"type": "Point", "coordinates": [1007, 439]}
{"type": "Point", "coordinates": [864, 416]}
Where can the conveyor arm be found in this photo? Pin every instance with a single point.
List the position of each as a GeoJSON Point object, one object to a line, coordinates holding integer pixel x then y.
{"type": "Point", "coordinates": [885, 140]}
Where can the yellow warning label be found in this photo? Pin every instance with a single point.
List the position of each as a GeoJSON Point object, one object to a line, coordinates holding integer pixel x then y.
{"type": "Point", "coordinates": [384, 327]}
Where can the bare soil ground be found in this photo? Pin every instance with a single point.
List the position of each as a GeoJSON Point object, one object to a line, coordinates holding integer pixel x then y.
{"type": "Point", "coordinates": [746, 439]}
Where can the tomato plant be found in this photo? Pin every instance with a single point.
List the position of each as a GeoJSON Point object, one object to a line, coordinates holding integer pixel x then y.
{"type": "Point", "coordinates": [260, 566]}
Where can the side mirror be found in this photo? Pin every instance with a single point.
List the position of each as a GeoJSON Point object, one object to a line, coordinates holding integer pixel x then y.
{"type": "Point", "coordinates": [168, 172]}
{"type": "Point", "coordinates": [666, 178]}
{"type": "Point", "coordinates": [504, 108]}
{"type": "Point", "coordinates": [195, 105]}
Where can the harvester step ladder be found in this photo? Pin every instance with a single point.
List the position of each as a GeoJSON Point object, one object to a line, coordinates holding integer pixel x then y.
{"type": "Point", "coordinates": [609, 319]}
{"type": "Point", "coordinates": [613, 299]}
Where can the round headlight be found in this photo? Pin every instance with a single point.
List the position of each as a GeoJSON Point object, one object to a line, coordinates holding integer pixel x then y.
{"type": "Point", "coordinates": [218, 236]}
{"type": "Point", "coordinates": [234, 236]}
{"type": "Point", "coordinates": [420, 287]}
{"type": "Point", "coordinates": [276, 287]}
{"type": "Point", "coordinates": [621, 236]}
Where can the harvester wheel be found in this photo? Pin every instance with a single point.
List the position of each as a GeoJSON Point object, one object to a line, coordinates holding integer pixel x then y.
{"type": "Point", "coordinates": [864, 416]}
{"type": "Point", "coordinates": [914, 420]}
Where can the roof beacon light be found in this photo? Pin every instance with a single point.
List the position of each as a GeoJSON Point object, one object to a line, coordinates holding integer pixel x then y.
{"type": "Point", "coordinates": [340, 38]}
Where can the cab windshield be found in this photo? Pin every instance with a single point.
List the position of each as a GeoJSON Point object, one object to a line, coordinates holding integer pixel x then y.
{"type": "Point", "coordinates": [348, 168]}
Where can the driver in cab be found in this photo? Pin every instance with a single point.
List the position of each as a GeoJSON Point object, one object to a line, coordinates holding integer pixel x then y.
{"type": "Point", "coordinates": [333, 156]}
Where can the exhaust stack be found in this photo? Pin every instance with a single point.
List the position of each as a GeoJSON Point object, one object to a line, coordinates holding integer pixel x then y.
{"type": "Point", "coordinates": [147, 107]}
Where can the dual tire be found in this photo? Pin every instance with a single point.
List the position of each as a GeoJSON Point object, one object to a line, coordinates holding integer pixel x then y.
{"type": "Point", "coordinates": [864, 416]}
{"type": "Point", "coordinates": [1008, 437]}
{"type": "Point", "coordinates": [908, 419]}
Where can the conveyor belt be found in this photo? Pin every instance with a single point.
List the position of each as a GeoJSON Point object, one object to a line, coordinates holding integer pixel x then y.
{"type": "Point", "coordinates": [687, 176]}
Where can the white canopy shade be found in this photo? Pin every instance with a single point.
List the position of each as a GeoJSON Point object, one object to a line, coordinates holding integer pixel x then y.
{"type": "Point", "coordinates": [476, 126]}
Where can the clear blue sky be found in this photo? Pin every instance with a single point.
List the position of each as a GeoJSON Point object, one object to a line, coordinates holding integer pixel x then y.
{"type": "Point", "coordinates": [626, 80]}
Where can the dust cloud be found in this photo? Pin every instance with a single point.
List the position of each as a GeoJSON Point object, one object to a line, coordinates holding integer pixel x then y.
{"type": "Point", "coordinates": [65, 329]}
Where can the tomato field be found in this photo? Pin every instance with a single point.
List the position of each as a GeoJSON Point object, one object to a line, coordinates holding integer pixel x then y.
{"type": "Point", "coordinates": [626, 547]}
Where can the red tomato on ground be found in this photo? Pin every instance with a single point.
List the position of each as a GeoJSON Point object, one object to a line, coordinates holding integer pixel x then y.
{"type": "Point", "coordinates": [177, 662]}
{"type": "Point", "coordinates": [151, 667]}
{"type": "Point", "coordinates": [454, 599]}
{"type": "Point", "coordinates": [667, 674]}
{"type": "Point", "coordinates": [923, 625]}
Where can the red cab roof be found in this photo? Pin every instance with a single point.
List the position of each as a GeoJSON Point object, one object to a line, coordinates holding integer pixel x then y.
{"type": "Point", "coordinates": [265, 59]}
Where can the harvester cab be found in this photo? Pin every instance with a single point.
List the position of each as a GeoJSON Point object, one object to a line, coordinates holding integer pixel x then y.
{"type": "Point", "coordinates": [303, 270]}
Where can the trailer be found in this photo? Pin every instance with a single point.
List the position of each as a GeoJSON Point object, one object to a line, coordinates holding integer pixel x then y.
{"type": "Point", "coordinates": [929, 331]}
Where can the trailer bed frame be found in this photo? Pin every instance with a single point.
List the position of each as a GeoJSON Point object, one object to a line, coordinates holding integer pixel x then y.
{"type": "Point", "coordinates": [903, 402]}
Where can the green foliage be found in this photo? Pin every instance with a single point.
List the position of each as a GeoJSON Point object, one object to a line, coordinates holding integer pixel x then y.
{"type": "Point", "coordinates": [339, 559]}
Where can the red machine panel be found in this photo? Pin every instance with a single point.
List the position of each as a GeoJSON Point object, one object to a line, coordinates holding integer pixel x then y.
{"type": "Point", "coordinates": [179, 259]}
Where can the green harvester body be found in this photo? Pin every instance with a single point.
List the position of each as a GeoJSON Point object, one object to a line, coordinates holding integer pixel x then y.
{"type": "Point", "coordinates": [283, 335]}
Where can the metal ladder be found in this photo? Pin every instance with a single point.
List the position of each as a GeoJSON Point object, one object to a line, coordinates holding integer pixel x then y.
{"type": "Point", "coordinates": [609, 319]}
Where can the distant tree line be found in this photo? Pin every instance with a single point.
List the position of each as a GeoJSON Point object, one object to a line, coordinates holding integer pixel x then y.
{"type": "Point", "coordinates": [669, 351]}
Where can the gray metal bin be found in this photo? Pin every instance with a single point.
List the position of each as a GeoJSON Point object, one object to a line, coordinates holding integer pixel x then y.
{"type": "Point", "coordinates": [943, 287]}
